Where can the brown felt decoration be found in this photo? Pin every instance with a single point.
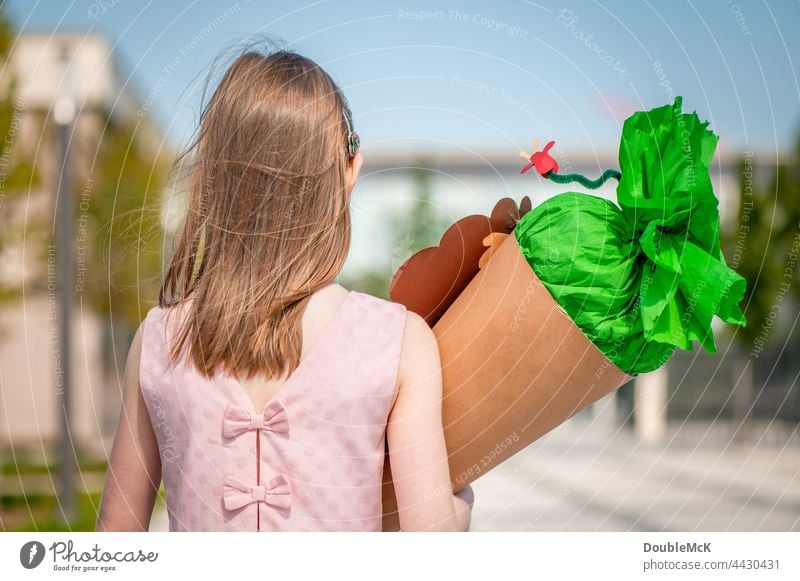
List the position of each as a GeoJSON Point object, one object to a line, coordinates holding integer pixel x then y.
{"type": "Point", "coordinates": [493, 241]}
{"type": "Point", "coordinates": [430, 280]}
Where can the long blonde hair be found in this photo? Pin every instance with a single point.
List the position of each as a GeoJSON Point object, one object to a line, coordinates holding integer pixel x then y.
{"type": "Point", "coordinates": [268, 221]}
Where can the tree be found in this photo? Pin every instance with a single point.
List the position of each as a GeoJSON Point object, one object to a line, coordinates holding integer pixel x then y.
{"type": "Point", "coordinates": [762, 245]}
{"type": "Point", "coordinates": [125, 235]}
{"type": "Point", "coordinates": [17, 174]}
{"type": "Point", "coordinates": [419, 228]}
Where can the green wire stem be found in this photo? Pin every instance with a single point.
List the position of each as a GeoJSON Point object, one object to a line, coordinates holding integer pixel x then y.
{"type": "Point", "coordinates": [583, 180]}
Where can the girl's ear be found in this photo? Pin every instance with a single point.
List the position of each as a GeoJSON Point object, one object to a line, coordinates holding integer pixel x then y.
{"type": "Point", "coordinates": [351, 172]}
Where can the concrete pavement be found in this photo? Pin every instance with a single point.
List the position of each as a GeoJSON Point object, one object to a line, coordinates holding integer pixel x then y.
{"type": "Point", "coordinates": [581, 479]}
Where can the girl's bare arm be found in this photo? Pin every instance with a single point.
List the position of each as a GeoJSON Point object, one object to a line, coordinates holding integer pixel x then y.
{"type": "Point", "coordinates": [134, 469]}
{"type": "Point", "coordinates": [417, 450]}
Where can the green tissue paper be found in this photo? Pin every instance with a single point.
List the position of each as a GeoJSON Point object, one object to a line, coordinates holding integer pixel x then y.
{"type": "Point", "coordinates": [647, 275]}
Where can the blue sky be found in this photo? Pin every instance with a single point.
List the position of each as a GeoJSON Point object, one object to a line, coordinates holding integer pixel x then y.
{"type": "Point", "coordinates": [450, 76]}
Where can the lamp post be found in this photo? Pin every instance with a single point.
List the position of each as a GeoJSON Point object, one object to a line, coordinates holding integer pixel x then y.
{"type": "Point", "coordinates": [64, 116]}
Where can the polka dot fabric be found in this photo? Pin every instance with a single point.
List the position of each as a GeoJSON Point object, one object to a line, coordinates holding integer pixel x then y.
{"type": "Point", "coordinates": [311, 460]}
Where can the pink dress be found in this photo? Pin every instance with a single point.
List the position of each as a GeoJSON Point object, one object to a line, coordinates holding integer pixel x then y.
{"type": "Point", "coordinates": [311, 460]}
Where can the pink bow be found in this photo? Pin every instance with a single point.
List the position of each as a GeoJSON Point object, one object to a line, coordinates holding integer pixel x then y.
{"type": "Point", "coordinates": [237, 494]}
{"type": "Point", "coordinates": [238, 420]}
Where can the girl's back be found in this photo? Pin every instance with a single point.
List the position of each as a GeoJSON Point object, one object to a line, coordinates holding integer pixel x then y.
{"type": "Point", "coordinates": [207, 404]}
{"type": "Point", "coordinates": [310, 459]}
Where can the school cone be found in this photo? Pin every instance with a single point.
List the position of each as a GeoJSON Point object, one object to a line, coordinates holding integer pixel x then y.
{"type": "Point", "coordinates": [514, 366]}
{"type": "Point", "coordinates": [641, 278]}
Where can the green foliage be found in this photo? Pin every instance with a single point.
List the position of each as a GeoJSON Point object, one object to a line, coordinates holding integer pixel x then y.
{"type": "Point", "coordinates": [40, 512]}
{"type": "Point", "coordinates": [117, 229]}
{"type": "Point", "coordinates": [373, 282]}
{"type": "Point", "coordinates": [786, 185]}
{"type": "Point", "coordinates": [6, 33]}
{"type": "Point", "coordinates": [123, 225]}
{"type": "Point", "coordinates": [38, 508]}
{"type": "Point", "coordinates": [419, 228]}
{"type": "Point", "coordinates": [422, 226]}
{"type": "Point", "coordinates": [760, 245]}
{"type": "Point", "coordinates": [23, 466]}
{"type": "Point", "coordinates": [17, 173]}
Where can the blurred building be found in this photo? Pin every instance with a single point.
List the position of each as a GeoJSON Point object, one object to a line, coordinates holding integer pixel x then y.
{"type": "Point", "coordinates": [83, 68]}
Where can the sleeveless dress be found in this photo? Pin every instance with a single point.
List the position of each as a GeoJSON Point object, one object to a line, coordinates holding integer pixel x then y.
{"type": "Point", "coordinates": [311, 460]}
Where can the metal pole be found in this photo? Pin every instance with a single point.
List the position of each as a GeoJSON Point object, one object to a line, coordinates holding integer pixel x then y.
{"type": "Point", "coordinates": [650, 405]}
{"type": "Point", "coordinates": [63, 115]}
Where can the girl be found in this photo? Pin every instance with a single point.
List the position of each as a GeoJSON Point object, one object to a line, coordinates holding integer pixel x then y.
{"type": "Point", "coordinates": [259, 389]}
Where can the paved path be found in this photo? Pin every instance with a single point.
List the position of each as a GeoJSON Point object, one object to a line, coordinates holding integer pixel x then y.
{"type": "Point", "coordinates": [580, 479]}
{"type": "Point", "coordinates": [160, 520]}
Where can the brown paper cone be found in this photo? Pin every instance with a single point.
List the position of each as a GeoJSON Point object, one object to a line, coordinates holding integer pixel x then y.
{"type": "Point", "coordinates": [514, 366]}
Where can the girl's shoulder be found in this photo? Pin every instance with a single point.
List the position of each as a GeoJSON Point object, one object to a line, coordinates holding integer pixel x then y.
{"type": "Point", "coordinates": [160, 316]}
{"type": "Point", "coordinates": [378, 301]}
{"type": "Point", "coordinates": [378, 312]}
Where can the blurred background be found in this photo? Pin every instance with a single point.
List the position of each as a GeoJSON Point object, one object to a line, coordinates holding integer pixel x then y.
{"type": "Point", "coordinates": [97, 98]}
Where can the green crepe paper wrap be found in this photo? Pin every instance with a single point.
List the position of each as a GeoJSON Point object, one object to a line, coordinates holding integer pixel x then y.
{"type": "Point", "coordinates": [644, 277]}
